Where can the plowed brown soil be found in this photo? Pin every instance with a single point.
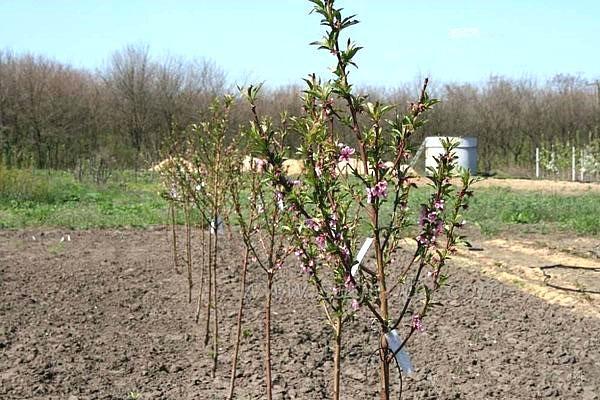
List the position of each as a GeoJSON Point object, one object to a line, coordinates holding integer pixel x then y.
{"type": "Point", "coordinates": [104, 315]}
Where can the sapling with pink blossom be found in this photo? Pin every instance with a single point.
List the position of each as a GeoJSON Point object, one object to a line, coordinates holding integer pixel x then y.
{"type": "Point", "coordinates": [330, 210]}
{"type": "Point", "coordinates": [261, 214]}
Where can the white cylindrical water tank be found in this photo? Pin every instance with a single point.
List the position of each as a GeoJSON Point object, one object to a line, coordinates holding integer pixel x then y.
{"type": "Point", "coordinates": [466, 151]}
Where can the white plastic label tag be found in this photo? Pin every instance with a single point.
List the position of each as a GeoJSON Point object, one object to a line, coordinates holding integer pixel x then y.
{"type": "Point", "coordinates": [216, 226]}
{"type": "Point", "coordinates": [361, 254]}
{"type": "Point", "coordinates": [402, 357]}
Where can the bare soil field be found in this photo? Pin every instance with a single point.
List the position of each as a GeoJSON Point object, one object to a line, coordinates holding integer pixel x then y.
{"type": "Point", "coordinates": [104, 315]}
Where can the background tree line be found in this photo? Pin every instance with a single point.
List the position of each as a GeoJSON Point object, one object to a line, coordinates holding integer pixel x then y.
{"type": "Point", "coordinates": [55, 116]}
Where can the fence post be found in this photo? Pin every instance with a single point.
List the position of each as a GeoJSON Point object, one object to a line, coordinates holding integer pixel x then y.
{"type": "Point", "coordinates": [573, 174]}
{"type": "Point", "coordinates": [537, 163]}
{"type": "Point", "coordinates": [581, 168]}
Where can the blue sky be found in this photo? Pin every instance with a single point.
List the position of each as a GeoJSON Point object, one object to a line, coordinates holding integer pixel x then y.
{"type": "Point", "coordinates": [450, 41]}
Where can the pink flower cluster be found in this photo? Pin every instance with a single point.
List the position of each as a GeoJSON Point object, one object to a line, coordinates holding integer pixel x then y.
{"type": "Point", "coordinates": [318, 170]}
{"type": "Point", "coordinates": [312, 224]}
{"type": "Point", "coordinates": [379, 191]}
{"type": "Point", "coordinates": [349, 283]}
{"type": "Point", "coordinates": [308, 264]}
{"type": "Point", "coordinates": [260, 164]}
{"type": "Point", "coordinates": [431, 223]}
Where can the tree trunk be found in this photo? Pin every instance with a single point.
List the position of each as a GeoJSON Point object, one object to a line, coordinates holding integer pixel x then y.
{"type": "Point", "coordinates": [188, 247]}
{"type": "Point", "coordinates": [239, 325]}
{"type": "Point", "coordinates": [268, 337]}
{"type": "Point", "coordinates": [210, 280]}
{"type": "Point", "coordinates": [202, 268]}
{"type": "Point", "coordinates": [216, 308]}
{"type": "Point", "coordinates": [337, 359]}
{"type": "Point", "coordinates": [384, 372]}
{"type": "Point", "coordinates": [174, 243]}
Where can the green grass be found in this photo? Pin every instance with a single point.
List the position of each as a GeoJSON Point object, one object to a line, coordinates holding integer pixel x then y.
{"type": "Point", "coordinates": [31, 198]}
{"type": "Point", "coordinates": [499, 209]}
{"type": "Point", "coordinates": [496, 210]}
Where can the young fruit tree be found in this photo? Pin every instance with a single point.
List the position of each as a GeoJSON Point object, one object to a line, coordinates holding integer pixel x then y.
{"type": "Point", "coordinates": [197, 180]}
{"type": "Point", "coordinates": [260, 215]}
{"type": "Point", "coordinates": [352, 196]}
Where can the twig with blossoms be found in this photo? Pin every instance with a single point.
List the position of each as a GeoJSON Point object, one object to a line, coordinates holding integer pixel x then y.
{"type": "Point", "coordinates": [429, 253]}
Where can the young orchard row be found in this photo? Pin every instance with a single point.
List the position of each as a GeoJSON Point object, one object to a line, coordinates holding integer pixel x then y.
{"type": "Point", "coordinates": [320, 215]}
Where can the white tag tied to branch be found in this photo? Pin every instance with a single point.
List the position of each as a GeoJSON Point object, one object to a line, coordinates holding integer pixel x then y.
{"type": "Point", "coordinates": [402, 358]}
{"type": "Point", "coordinates": [361, 254]}
{"type": "Point", "coordinates": [216, 225]}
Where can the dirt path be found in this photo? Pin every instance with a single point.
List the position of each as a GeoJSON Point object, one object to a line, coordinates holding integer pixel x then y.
{"type": "Point", "coordinates": [535, 185]}
{"type": "Point", "coordinates": [556, 277]}
{"type": "Point", "coordinates": [104, 315]}
{"type": "Point", "coordinates": [541, 185]}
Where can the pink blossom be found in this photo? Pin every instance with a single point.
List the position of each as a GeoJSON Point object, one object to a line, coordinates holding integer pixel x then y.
{"type": "Point", "coordinates": [432, 216]}
{"type": "Point", "coordinates": [426, 239]}
{"type": "Point", "coordinates": [426, 216]}
{"type": "Point", "coordinates": [308, 267]}
{"type": "Point", "coordinates": [345, 153]}
{"type": "Point", "coordinates": [279, 198]}
{"type": "Point", "coordinates": [355, 305]}
{"type": "Point", "coordinates": [422, 239]}
{"type": "Point", "coordinates": [312, 224]}
{"type": "Point", "coordinates": [321, 241]}
{"type": "Point", "coordinates": [416, 323]}
{"type": "Point", "coordinates": [318, 171]}
{"type": "Point", "coordinates": [433, 274]}
{"type": "Point", "coordinates": [260, 164]}
{"type": "Point", "coordinates": [439, 226]}
{"type": "Point", "coordinates": [349, 283]}
{"type": "Point", "coordinates": [382, 188]}
{"type": "Point", "coordinates": [345, 252]}
{"type": "Point", "coordinates": [439, 204]}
